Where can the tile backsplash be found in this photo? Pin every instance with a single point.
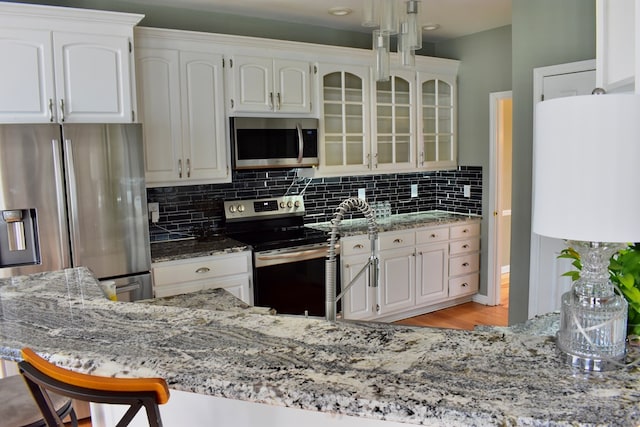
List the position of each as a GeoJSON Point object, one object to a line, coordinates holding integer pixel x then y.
{"type": "Point", "coordinates": [187, 211]}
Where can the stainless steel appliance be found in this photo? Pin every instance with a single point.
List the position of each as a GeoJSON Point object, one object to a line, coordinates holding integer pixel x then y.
{"type": "Point", "coordinates": [74, 195]}
{"type": "Point", "coordinates": [274, 142]}
{"type": "Point", "coordinates": [289, 258]}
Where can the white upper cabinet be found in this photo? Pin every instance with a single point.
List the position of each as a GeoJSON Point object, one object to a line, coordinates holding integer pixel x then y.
{"type": "Point", "coordinates": [436, 121]}
{"type": "Point", "coordinates": [394, 123]}
{"type": "Point", "coordinates": [617, 60]}
{"type": "Point", "coordinates": [66, 65]}
{"type": "Point", "coordinates": [267, 85]}
{"type": "Point", "coordinates": [345, 138]}
{"type": "Point", "coordinates": [181, 93]}
{"type": "Point", "coordinates": [26, 76]}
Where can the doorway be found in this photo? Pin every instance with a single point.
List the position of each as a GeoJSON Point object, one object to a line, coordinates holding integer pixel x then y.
{"type": "Point", "coordinates": [546, 283]}
{"type": "Point", "coordinates": [499, 233]}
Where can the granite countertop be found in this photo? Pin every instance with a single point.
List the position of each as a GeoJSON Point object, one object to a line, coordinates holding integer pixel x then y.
{"type": "Point", "coordinates": [372, 370]}
{"type": "Point", "coordinates": [172, 250]}
{"type": "Point", "coordinates": [209, 299]}
{"type": "Point", "coordinates": [358, 226]}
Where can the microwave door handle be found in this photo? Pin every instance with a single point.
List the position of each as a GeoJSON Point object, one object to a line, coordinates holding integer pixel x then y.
{"type": "Point", "coordinates": [300, 142]}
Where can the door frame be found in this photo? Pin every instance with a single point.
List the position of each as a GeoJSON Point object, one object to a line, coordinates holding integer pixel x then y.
{"type": "Point", "coordinates": [538, 78]}
{"type": "Point", "coordinates": [493, 265]}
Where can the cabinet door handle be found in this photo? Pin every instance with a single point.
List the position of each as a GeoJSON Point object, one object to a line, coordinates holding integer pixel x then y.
{"type": "Point", "coordinates": [271, 100]}
{"type": "Point", "coordinates": [278, 101]}
{"type": "Point", "coordinates": [466, 264]}
{"type": "Point", "coordinates": [179, 168]}
{"type": "Point", "coordinates": [397, 241]}
{"type": "Point", "coordinates": [433, 236]}
{"type": "Point", "coordinates": [422, 158]}
{"type": "Point", "coordinates": [202, 270]}
{"type": "Point", "coordinates": [465, 246]}
{"type": "Point", "coordinates": [188, 168]}
{"type": "Point", "coordinates": [62, 110]}
{"type": "Point", "coordinates": [375, 162]}
{"type": "Point", "coordinates": [50, 109]}
{"type": "Point", "coordinates": [466, 230]}
{"type": "Point", "coordinates": [358, 246]}
{"type": "Point", "coordinates": [464, 285]}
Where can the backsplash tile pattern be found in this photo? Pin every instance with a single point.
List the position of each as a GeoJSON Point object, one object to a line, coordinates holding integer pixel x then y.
{"type": "Point", "coordinates": [187, 211]}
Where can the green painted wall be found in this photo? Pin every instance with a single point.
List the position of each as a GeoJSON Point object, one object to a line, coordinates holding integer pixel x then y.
{"type": "Point", "coordinates": [545, 32]}
{"type": "Point", "coordinates": [485, 68]}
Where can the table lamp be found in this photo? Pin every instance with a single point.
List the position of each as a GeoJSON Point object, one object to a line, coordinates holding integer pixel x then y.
{"type": "Point", "coordinates": [586, 157]}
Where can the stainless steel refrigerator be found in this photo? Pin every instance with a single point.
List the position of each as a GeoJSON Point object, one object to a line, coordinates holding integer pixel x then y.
{"type": "Point", "coordinates": [74, 195]}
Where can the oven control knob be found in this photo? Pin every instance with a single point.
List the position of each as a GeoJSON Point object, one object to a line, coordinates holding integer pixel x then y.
{"type": "Point", "coordinates": [281, 205]}
{"type": "Point", "coordinates": [240, 208]}
{"type": "Point", "coordinates": [289, 204]}
{"type": "Point", "coordinates": [232, 209]}
{"type": "Point", "coordinates": [296, 203]}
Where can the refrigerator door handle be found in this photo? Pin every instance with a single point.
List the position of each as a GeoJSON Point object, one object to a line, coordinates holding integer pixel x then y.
{"type": "Point", "coordinates": [72, 200]}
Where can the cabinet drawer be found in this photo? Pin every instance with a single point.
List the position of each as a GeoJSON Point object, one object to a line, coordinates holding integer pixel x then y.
{"type": "Point", "coordinates": [464, 285]}
{"type": "Point", "coordinates": [200, 268]}
{"type": "Point", "coordinates": [396, 240]}
{"type": "Point", "coordinates": [355, 245]}
{"type": "Point", "coordinates": [465, 230]}
{"type": "Point", "coordinates": [464, 264]}
{"type": "Point", "coordinates": [431, 235]}
{"type": "Point", "coordinates": [464, 246]}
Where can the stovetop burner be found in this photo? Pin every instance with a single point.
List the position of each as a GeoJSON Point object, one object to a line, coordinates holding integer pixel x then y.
{"type": "Point", "coordinates": [273, 223]}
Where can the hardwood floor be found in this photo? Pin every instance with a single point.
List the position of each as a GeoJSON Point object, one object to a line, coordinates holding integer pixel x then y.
{"type": "Point", "coordinates": [468, 315]}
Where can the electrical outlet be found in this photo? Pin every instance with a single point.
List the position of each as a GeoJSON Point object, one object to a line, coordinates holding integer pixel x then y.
{"type": "Point", "coordinates": [467, 191]}
{"type": "Point", "coordinates": [362, 194]}
{"type": "Point", "coordinates": [154, 211]}
{"type": "Point", "coordinates": [414, 190]}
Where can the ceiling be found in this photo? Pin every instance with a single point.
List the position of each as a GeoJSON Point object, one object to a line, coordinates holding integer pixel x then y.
{"type": "Point", "coordinates": [455, 17]}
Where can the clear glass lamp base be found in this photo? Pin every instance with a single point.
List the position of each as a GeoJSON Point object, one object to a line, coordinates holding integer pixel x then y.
{"type": "Point", "coordinates": [593, 319]}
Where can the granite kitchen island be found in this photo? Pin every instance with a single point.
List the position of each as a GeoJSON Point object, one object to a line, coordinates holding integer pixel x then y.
{"type": "Point", "coordinates": [368, 371]}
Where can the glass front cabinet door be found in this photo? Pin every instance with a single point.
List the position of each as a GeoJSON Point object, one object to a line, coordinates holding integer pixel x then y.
{"type": "Point", "coordinates": [344, 119]}
{"type": "Point", "coordinates": [394, 135]}
{"type": "Point", "coordinates": [437, 146]}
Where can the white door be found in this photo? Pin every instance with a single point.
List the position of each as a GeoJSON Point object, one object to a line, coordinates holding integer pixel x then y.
{"type": "Point", "coordinates": [203, 119]}
{"type": "Point", "coordinates": [26, 77]}
{"type": "Point", "coordinates": [159, 100]}
{"type": "Point", "coordinates": [432, 275]}
{"type": "Point", "coordinates": [397, 280]}
{"type": "Point", "coordinates": [292, 94]}
{"type": "Point", "coordinates": [546, 283]}
{"type": "Point", "coordinates": [93, 82]}
{"type": "Point", "coordinates": [252, 85]}
{"type": "Point", "coordinates": [358, 302]}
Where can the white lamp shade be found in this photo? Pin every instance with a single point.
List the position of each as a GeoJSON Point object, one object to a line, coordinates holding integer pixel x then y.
{"type": "Point", "coordinates": [586, 168]}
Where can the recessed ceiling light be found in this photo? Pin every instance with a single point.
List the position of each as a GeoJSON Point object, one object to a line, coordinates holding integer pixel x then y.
{"type": "Point", "coordinates": [430, 27]}
{"type": "Point", "coordinates": [340, 11]}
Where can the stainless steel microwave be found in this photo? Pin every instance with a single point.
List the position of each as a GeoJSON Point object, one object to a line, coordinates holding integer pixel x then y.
{"type": "Point", "coordinates": [261, 143]}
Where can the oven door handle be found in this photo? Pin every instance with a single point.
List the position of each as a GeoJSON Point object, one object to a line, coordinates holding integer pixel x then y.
{"type": "Point", "coordinates": [294, 256]}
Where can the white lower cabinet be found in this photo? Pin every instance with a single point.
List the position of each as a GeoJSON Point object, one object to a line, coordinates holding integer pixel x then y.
{"type": "Point", "coordinates": [232, 272]}
{"type": "Point", "coordinates": [397, 272]}
{"type": "Point", "coordinates": [421, 270]}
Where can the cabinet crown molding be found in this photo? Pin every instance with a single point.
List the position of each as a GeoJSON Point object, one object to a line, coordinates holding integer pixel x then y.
{"type": "Point", "coordinates": [62, 18]}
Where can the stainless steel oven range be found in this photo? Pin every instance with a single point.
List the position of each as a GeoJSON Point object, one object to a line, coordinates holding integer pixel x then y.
{"type": "Point", "coordinates": [288, 257]}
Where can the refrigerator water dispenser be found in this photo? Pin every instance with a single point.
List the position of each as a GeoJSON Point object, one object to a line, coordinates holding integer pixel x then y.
{"type": "Point", "coordinates": [18, 242]}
